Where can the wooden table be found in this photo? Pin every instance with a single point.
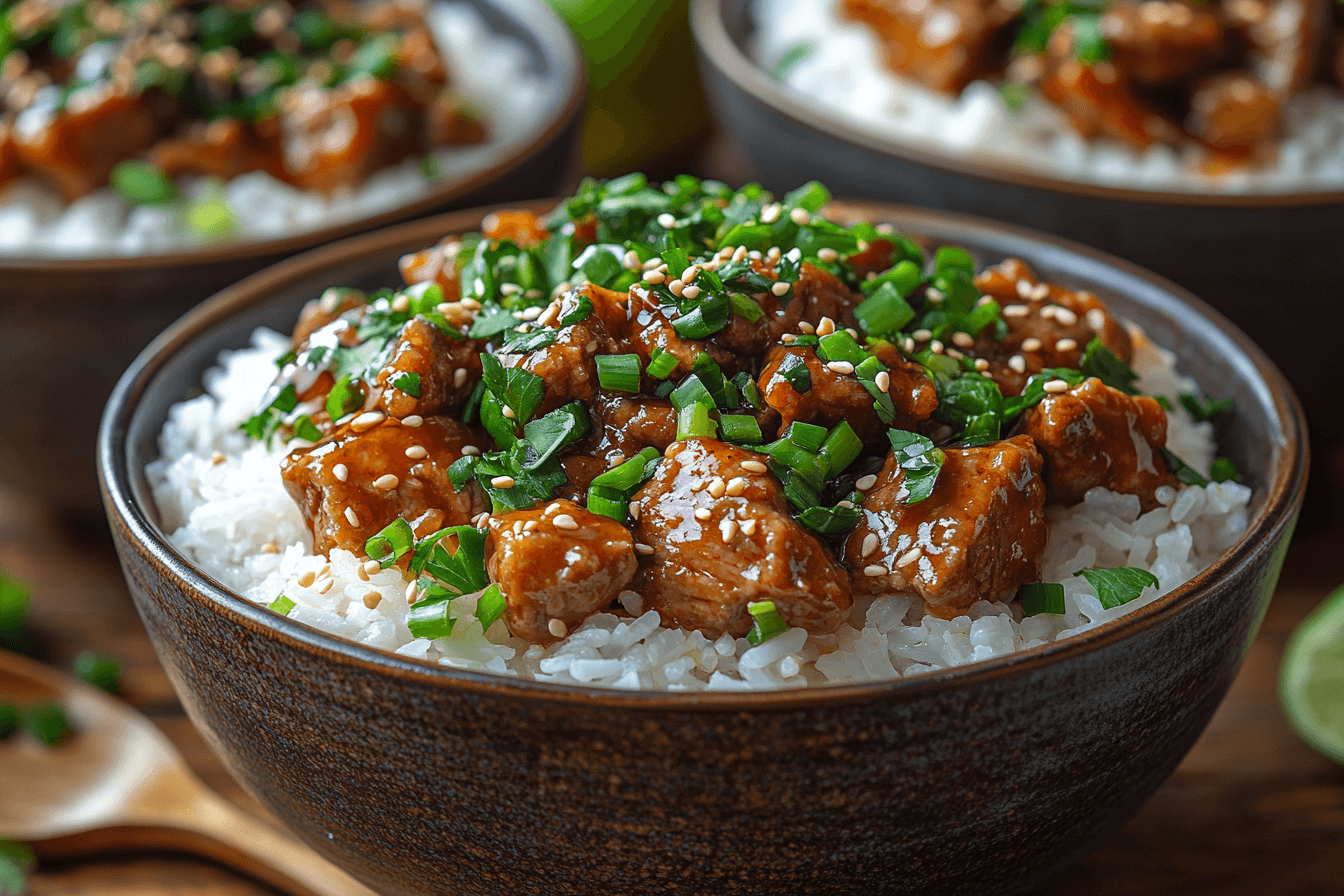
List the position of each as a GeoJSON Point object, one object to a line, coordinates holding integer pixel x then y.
{"type": "Point", "coordinates": [1250, 811]}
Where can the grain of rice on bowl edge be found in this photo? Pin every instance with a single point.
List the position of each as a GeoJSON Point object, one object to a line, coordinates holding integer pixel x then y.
{"type": "Point", "coordinates": [678, 437]}
{"type": "Point", "coordinates": [1170, 95]}
{"type": "Point", "coordinates": [148, 131]}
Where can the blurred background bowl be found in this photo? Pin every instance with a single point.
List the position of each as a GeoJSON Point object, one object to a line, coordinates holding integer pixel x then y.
{"type": "Point", "coordinates": [1268, 262]}
{"type": "Point", "coordinates": [420, 779]}
{"type": "Point", "coordinates": [69, 327]}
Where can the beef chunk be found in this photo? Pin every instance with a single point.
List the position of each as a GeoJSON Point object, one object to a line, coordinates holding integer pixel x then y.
{"type": "Point", "coordinates": [448, 368]}
{"type": "Point", "coordinates": [978, 536]}
{"type": "Point", "coordinates": [1234, 113]}
{"type": "Point", "coordinates": [1283, 38]}
{"type": "Point", "coordinates": [816, 294]}
{"type": "Point", "coordinates": [1155, 41]}
{"type": "Point", "coordinates": [1048, 326]}
{"type": "Point", "coordinates": [437, 265]}
{"type": "Point", "coordinates": [942, 44]}
{"type": "Point", "coordinates": [556, 566]}
{"type": "Point", "coordinates": [568, 366]}
{"type": "Point", "coordinates": [1099, 101]}
{"type": "Point", "coordinates": [224, 148]}
{"type": "Point", "coordinates": [354, 471]}
{"type": "Point", "coordinates": [650, 328]}
{"type": "Point", "coordinates": [324, 311]}
{"type": "Point", "coordinates": [1094, 435]}
{"type": "Point", "coordinates": [721, 536]}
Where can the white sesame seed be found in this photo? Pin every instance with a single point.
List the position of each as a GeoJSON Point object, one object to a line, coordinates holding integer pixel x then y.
{"type": "Point", "coordinates": [351, 517]}
{"type": "Point", "coordinates": [1048, 312]}
{"type": "Point", "coordinates": [634, 510]}
{"type": "Point", "coordinates": [936, 347]}
{"type": "Point", "coordinates": [702, 514]}
{"type": "Point", "coordinates": [471, 304]}
{"type": "Point", "coordinates": [367, 420]}
{"type": "Point", "coordinates": [755, 255]}
{"type": "Point", "coordinates": [1056, 386]}
{"type": "Point", "coordinates": [1018, 364]}
{"type": "Point", "coordinates": [983, 300]}
{"type": "Point", "coordinates": [936, 296]}
{"type": "Point", "coordinates": [270, 547]}
{"type": "Point", "coordinates": [882, 381]}
{"type": "Point", "coordinates": [736, 486]}
{"type": "Point", "coordinates": [341, 472]}
{"type": "Point", "coordinates": [728, 529]}
{"type": "Point", "coordinates": [690, 292]}
{"type": "Point", "coordinates": [839, 366]}
{"type": "Point", "coordinates": [748, 527]}
{"type": "Point", "coordinates": [806, 327]}
{"type": "Point", "coordinates": [529, 526]}
{"type": "Point", "coordinates": [781, 287]}
{"type": "Point", "coordinates": [1031, 344]}
{"type": "Point", "coordinates": [954, 354]}
{"type": "Point", "coordinates": [667, 221]}
{"type": "Point", "coordinates": [401, 304]}
{"type": "Point", "coordinates": [827, 254]}
{"type": "Point", "coordinates": [863, 483]}
{"type": "Point", "coordinates": [307, 579]}
{"type": "Point", "coordinates": [869, 544]}
{"type": "Point", "coordinates": [874, 571]}
{"type": "Point", "coordinates": [480, 519]}
{"type": "Point", "coordinates": [412, 592]}
{"type": "Point", "coordinates": [800, 216]}
{"type": "Point", "coordinates": [963, 340]}
{"type": "Point", "coordinates": [770, 214]}
{"type": "Point", "coordinates": [909, 557]}
{"type": "Point", "coordinates": [788, 338]}
{"type": "Point", "coordinates": [688, 275]}
{"type": "Point", "coordinates": [557, 627]}
{"type": "Point", "coordinates": [717, 487]}
{"type": "Point", "coordinates": [754, 466]}
{"type": "Point", "coordinates": [564, 521]}
{"type": "Point", "coordinates": [1016, 310]}
{"type": "Point", "coordinates": [922, 335]}
{"type": "Point", "coordinates": [417, 452]}
{"type": "Point", "coordinates": [1096, 319]}
{"type": "Point", "coordinates": [981, 364]}
{"type": "Point", "coordinates": [325, 586]}
{"type": "Point", "coordinates": [363, 576]}
{"type": "Point", "coordinates": [1042, 291]}
{"type": "Point", "coordinates": [517, 527]}
{"type": "Point", "coordinates": [217, 458]}
{"type": "Point", "coordinates": [1024, 288]}
{"type": "Point", "coordinates": [372, 567]}
{"type": "Point", "coordinates": [1066, 345]}
{"type": "Point", "coordinates": [853, 333]}
{"type": "Point", "coordinates": [631, 261]}
{"type": "Point", "coordinates": [413, 421]}
{"type": "Point", "coordinates": [739, 254]}
{"type": "Point", "coordinates": [655, 277]}
{"type": "Point", "coordinates": [531, 313]}
{"type": "Point", "coordinates": [643, 548]}
{"type": "Point", "coordinates": [386, 481]}
{"type": "Point", "coordinates": [676, 286]}
{"type": "Point", "coordinates": [653, 262]}
{"type": "Point", "coordinates": [508, 412]}
{"type": "Point", "coordinates": [825, 327]}
{"type": "Point", "coordinates": [502, 482]}
{"type": "Point", "coordinates": [509, 289]}
{"type": "Point", "coordinates": [470, 451]}
{"type": "Point", "coordinates": [372, 599]}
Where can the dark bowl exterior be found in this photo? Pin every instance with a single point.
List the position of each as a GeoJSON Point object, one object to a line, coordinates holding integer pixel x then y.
{"type": "Point", "coordinates": [69, 328]}
{"type": "Point", "coordinates": [1248, 256]}
{"type": "Point", "coordinates": [986, 779]}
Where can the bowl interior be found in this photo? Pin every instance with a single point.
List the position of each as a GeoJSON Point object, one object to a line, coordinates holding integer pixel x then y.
{"type": "Point", "coordinates": [1266, 436]}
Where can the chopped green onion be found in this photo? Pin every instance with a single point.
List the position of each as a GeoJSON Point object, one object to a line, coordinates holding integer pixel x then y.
{"type": "Point", "coordinates": [210, 216]}
{"type": "Point", "coordinates": [694, 422]}
{"type": "Point", "coordinates": [100, 670]}
{"type": "Point", "coordinates": [267, 421]}
{"type": "Point", "coordinates": [306, 429]}
{"type": "Point", "coordinates": [920, 461]}
{"type": "Point", "coordinates": [618, 373]}
{"type": "Point", "coordinates": [830, 520]}
{"type": "Point", "coordinates": [1224, 469]}
{"type": "Point", "coordinates": [1041, 597]}
{"type": "Point", "coordinates": [626, 477]}
{"type": "Point", "coordinates": [1107, 366]}
{"type": "Point", "coordinates": [431, 618]}
{"type": "Point", "coordinates": [609, 503]}
{"type": "Point", "coordinates": [391, 543]}
{"type": "Point", "coordinates": [661, 364]}
{"type": "Point", "coordinates": [600, 263]}
{"type": "Point", "coordinates": [747, 388]}
{"type": "Point", "coordinates": [794, 55]}
{"type": "Point", "coordinates": [489, 607]}
{"type": "Point", "coordinates": [766, 622]}
{"type": "Point", "coordinates": [740, 428]}
{"type": "Point", "coordinates": [884, 313]}
{"type": "Point", "coordinates": [708, 317]}
{"type": "Point", "coordinates": [841, 448]}
{"type": "Point", "coordinates": [692, 391]}
{"type": "Point", "coordinates": [953, 258]}
{"type": "Point", "coordinates": [745, 307]}
{"type": "Point", "coordinates": [840, 346]}
{"type": "Point", "coordinates": [47, 723]}
{"type": "Point", "coordinates": [1118, 586]}
{"type": "Point", "coordinates": [9, 721]}
{"type": "Point", "coordinates": [140, 183]}
{"type": "Point", "coordinates": [1205, 410]}
{"type": "Point", "coordinates": [903, 277]}
{"type": "Point", "coordinates": [407, 382]}
{"type": "Point", "coordinates": [793, 368]}
{"type": "Point", "coordinates": [14, 599]}
{"type": "Point", "coordinates": [1183, 472]}
{"type": "Point", "coordinates": [281, 605]}
{"type": "Point", "coordinates": [806, 435]}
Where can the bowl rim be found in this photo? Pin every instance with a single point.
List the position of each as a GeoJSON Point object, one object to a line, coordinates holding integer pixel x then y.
{"type": "Point", "coordinates": [559, 48]}
{"type": "Point", "coordinates": [135, 530]}
{"type": "Point", "coordinates": [721, 52]}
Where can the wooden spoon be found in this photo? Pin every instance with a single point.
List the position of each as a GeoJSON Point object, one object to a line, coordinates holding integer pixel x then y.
{"type": "Point", "coordinates": [119, 784]}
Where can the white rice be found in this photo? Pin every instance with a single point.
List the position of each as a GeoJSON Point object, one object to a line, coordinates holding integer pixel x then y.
{"type": "Point", "coordinates": [221, 497]}
{"type": "Point", "coordinates": [492, 72]}
{"type": "Point", "coordinates": [845, 76]}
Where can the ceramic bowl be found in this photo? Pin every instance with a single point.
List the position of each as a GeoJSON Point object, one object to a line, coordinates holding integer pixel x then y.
{"type": "Point", "coordinates": [1269, 262]}
{"type": "Point", "coordinates": [985, 779]}
{"type": "Point", "coordinates": [69, 327]}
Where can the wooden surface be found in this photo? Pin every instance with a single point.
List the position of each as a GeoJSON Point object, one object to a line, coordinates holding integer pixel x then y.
{"type": "Point", "coordinates": [1251, 810]}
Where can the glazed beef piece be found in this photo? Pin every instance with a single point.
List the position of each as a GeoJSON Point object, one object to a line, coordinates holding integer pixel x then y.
{"type": "Point", "coordinates": [1234, 114]}
{"type": "Point", "coordinates": [1100, 102]}
{"type": "Point", "coordinates": [721, 536]}
{"type": "Point", "coordinates": [1284, 38]}
{"type": "Point", "coordinates": [650, 329]}
{"type": "Point", "coordinates": [224, 148]}
{"type": "Point", "coordinates": [834, 393]}
{"type": "Point", "coordinates": [324, 311]}
{"type": "Point", "coordinates": [978, 536]}
{"type": "Point", "coordinates": [941, 44]}
{"type": "Point", "coordinates": [568, 366]}
{"type": "Point", "coordinates": [1048, 326]}
{"type": "Point", "coordinates": [622, 427]}
{"type": "Point", "coordinates": [817, 294]}
{"type": "Point", "coordinates": [1094, 435]}
{"type": "Point", "coordinates": [437, 265]}
{"type": "Point", "coordinates": [447, 368]}
{"type": "Point", "coordinates": [1155, 41]}
{"type": "Point", "coordinates": [357, 480]}
{"type": "Point", "coordinates": [556, 566]}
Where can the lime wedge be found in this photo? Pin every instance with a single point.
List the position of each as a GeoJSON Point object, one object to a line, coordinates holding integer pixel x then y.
{"type": "Point", "coordinates": [1311, 679]}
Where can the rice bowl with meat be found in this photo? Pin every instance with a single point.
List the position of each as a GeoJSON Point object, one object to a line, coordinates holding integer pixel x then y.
{"type": "Point", "coordinates": [680, 589]}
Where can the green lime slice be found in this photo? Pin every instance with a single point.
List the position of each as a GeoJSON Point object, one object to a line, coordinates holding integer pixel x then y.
{"type": "Point", "coordinates": [1311, 679]}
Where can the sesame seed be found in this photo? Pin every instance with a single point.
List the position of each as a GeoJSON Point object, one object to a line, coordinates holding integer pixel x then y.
{"type": "Point", "coordinates": [1031, 344]}
{"type": "Point", "coordinates": [417, 452]}
{"type": "Point", "coordinates": [1066, 345]}
{"type": "Point", "coordinates": [307, 579]}
{"type": "Point", "coordinates": [755, 255]}
{"type": "Point", "coordinates": [788, 338]}
{"type": "Point", "coordinates": [667, 221]}
{"type": "Point", "coordinates": [655, 277]}
{"type": "Point", "coordinates": [869, 544]}
{"type": "Point", "coordinates": [412, 592]}
{"type": "Point", "coordinates": [653, 262]}
{"type": "Point", "coordinates": [557, 627]}
{"type": "Point", "coordinates": [1018, 364]}
{"type": "Point", "coordinates": [509, 289]}
{"type": "Point", "coordinates": [1042, 291]}
{"type": "Point", "coordinates": [983, 300]}
{"type": "Point", "coordinates": [717, 487]}
{"type": "Point", "coordinates": [413, 421]}
{"type": "Point", "coordinates": [1016, 310]}
{"type": "Point", "coordinates": [341, 472]}
{"type": "Point", "coordinates": [1048, 312]}
{"type": "Point", "coordinates": [770, 214]}
{"type": "Point", "coordinates": [688, 275]}
{"type": "Point", "coordinates": [1024, 288]}
{"type": "Point", "coordinates": [882, 381]}
{"type": "Point", "coordinates": [962, 340]}
{"type": "Point", "coordinates": [564, 521]}
{"type": "Point", "coordinates": [643, 548]}
{"type": "Point", "coordinates": [217, 458]}
{"type": "Point", "coordinates": [676, 286]}
{"type": "Point", "coordinates": [736, 486]}
{"type": "Point", "coordinates": [981, 364]}
{"type": "Point", "coordinates": [954, 354]}
{"type": "Point", "coordinates": [386, 481]}
{"type": "Point", "coordinates": [853, 333]}
{"type": "Point", "coordinates": [325, 586]}
{"type": "Point", "coordinates": [480, 519]}
{"type": "Point", "coordinates": [922, 335]}
{"type": "Point", "coordinates": [839, 366]}
{"type": "Point", "coordinates": [874, 571]}
{"type": "Point", "coordinates": [806, 327]}
{"type": "Point", "coordinates": [909, 557]}
{"type": "Point", "coordinates": [728, 529]}
{"type": "Point", "coordinates": [1096, 319]}
{"type": "Point", "coordinates": [270, 547]}
{"type": "Point", "coordinates": [367, 420]}
{"type": "Point", "coordinates": [401, 304]}
{"type": "Point", "coordinates": [863, 483]}
{"type": "Point", "coordinates": [936, 296]}
{"type": "Point", "coordinates": [531, 313]}
{"type": "Point", "coordinates": [502, 482]}
{"type": "Point", "coordinates": [748, 527]}
{"type": "Point", "coordinates": [470, 451]}
{"type": "Point", "coordinates": [634, 510]}
{"type": "Point", "coordinates": [754, 466]}
{"type": "Point", "coordinates": [826, 327]}
{"type": "Point", "coordinates": [631, 261]}
{"type": "Point", "coordinates": [508, 412]}
{"type": "Point", "coordinates": [827, 254]}
{"type": "Point", "coordinates": [363, 576]}
{"type": "Point", "coordinates": [372, 567]}
{"type": "Point", "coordinates": [471, 304]}
{"type": "Point", "coordinates": [936, 347]}
{"type": "Point", "coordinates": [1056, 386]}
{"type": "Point", "coordinates": [372, 599]}
{"type": "Point", "coordinates": [800, 216]}
{"type": "Point", "coordinates": [529, 526]}
{"type": "Point", "coordinates": [780, 288]}
{"type": "Point", "coordinates": [691, 292]}
{"type": "Point", "coordinates": [702, 514]}
{"type": "Point", "coordinates": [351, 517]}
{"type": "Point", "coordinates": [1065, 316]}
{"type": "Point", "coordinates": [740, 254]}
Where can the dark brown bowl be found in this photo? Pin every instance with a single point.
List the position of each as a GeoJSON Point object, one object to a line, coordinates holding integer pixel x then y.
{"type": "Point", "coordinates": [1269, 262]}
{"type": "Point", "coordinates": [984, 779]}
{"type": "Point", "coordinates": [69, 327]}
